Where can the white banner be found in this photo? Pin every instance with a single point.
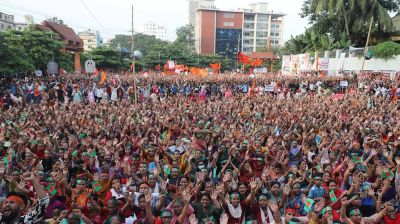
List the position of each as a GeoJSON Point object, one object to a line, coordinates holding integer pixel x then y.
{"type": "Point", "coordinates": [304, 62]}
{"type": "Point", "coordinates": [323, 64]}
{"type": "Point", "coordinates": [270, 88]}
{"type": "Point", "coordinates": [171, 64]}
{"type": "Point", "coordinates": [286, 62]}
{"type": "Point", "coordinates": [344, 83]}
{"type": "Point", "coordinates": [341, 62]}
{"type": "Point", "coordinates": [260, 70]}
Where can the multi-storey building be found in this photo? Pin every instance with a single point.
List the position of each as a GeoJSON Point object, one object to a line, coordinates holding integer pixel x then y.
{"type": "Point", "coordinates": [253, 31]}
{"type": "Point", "coordinates": [6, 22]}
{"type": "Point", "coordinates": [152, 29]}
{"type": "Point", "coordinates": [195, 5]}
{"type": "Point", "coordinates": [91, 39]}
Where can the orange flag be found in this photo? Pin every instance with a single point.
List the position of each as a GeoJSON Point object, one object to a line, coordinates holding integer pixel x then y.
{"type": "Point", "coordinates": [103, 77]}
{"type": "Point", "coordinates": [216, 67]}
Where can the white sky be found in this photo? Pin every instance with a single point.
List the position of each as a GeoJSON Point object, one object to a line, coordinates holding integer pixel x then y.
{"type": "Point", "coordinates": [114, 16]}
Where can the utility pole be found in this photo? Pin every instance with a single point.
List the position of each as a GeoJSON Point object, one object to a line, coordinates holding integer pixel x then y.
{"type": "Point", "coordinates": [133, 62]}
{"type": "Point", "coordinates": [366, 44]}
{"type": "Point", "coordinates": [238, 50]}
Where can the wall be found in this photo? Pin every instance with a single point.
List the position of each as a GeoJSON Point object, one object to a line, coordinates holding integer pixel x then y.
{"type": "Point", "coordinates": [374, 64]}
{"type": "Point", "coordinates": [234, 23]}
{"type": "Point", "coordinates": [207, 31]}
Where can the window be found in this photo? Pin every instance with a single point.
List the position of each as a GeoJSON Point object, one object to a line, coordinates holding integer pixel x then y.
{"type": "Point", "coordinates": [229, 23]}
{"type": "Point", "coordinates": [262, 26]}
{"type": "Point", "coordinates": [262, 18]}
{"type": "Point", "coordinates": [275, 26]}
{"type": "Point", "coordinates": [249, 17]}
{"type": "Point", "coordinates": [248, 42]}
{"type": "Point", "coordinates": [262, 34]}
{"type": "Point", "coordinates": [248, 34]}
{"type": "Point", "coordinates": [247, 49]}
{"type": "Point", "coordinates": [277, 34]}
{"type": "Point", "coordinates": [229, 15]}
{"type": "Point", "coordinates": [248, 26]}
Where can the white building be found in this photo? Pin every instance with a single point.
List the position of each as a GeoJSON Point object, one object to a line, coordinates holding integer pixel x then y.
{"type": "Point", "coordinates": [262, 27]}
{"type": "Point", "coordinates": [24, 25]}
{"type": "Point", "coordinates": [91, 39]}
{"type": "Point", "coordinates": [152, 29]}
{"type": "Point", "coordinates": [6, 22]}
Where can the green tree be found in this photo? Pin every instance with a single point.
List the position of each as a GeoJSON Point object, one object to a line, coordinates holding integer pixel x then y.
{"type": "Point", "coordinates": [28, 50]}
{"type": "Point", "coordinates": [185, 35]}
{"type": "Point", "coordinates": [55, 20]}
{"type": "Point", "coordinates": [386, 50]}
{"type": "Point", "coordinates": [14, 58]}
{"type": "Point", "coordinates": [349, 16]}
{"type": "Point", "coordinates": [41, 47]}
{"type": "Point", "coordinates": [106, 58]}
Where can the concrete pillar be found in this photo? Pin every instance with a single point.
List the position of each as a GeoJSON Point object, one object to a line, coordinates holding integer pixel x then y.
{"type": "Point", "coordinates": [77, 62]}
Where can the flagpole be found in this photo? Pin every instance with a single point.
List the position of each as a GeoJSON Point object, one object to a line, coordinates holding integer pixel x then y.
{"type": "Point", "coordinates": [133, 62]}
{"type": "Point", "coordinates": [366, 44]}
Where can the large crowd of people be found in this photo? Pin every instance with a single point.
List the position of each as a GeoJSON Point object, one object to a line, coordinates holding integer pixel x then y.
{"type": "Point", "coordinates": [229, 149]}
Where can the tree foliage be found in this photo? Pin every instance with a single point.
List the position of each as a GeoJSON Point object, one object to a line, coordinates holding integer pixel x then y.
{"type": "Point", "coordinates": [386, 50]}
{"type": "Point", "coordinates": [28, 50]}
{"type": "Point", "coordinates": [156, 51]}
{"type": "Point", "coordinates": [185, 35]}
{"type": "Point", "coordinates": [333, 17]}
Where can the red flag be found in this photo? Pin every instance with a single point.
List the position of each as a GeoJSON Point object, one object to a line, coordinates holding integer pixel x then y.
{"type": "Point", "coordinates": [243, 58]}
{"type": "Point", "coordinates": [216, 67]}
{"type": "Point", "coordinates": [96, 72]}
{"type": "Point", "coordinates": [158, 67]}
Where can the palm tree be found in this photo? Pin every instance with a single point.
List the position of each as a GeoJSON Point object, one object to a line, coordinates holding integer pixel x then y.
{"type": "Point", "coordinates": [356, 13]}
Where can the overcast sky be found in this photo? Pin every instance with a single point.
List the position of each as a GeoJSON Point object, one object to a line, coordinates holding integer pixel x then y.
{"type": "Point", "coordinates": [112, 17]}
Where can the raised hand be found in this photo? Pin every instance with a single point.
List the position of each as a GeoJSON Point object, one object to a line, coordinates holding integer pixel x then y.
{"type": "Point", "coordinates": [148, 197]}
{"type": "Point", "coordinates": [273, 206]}
{"type": "Point", "coordinates": [193, 219]}
{"type": "Point", "coordinates": [253, 184]}
{"type": "Point", "coordinates": [220, 188]}
{"type": "Point", "coordinates": [214, 195]}
{"type": "Point", "coordinates": [130, 196]}
{"type": "Point", "coordinates": [29, 176]}
{"type": "Point", "coordinates": [226, 178]}
{"type": "Point", "coordinates": [319, 206]}
{"type": "Point", "coordinates": [186, 196]}
{"type": "Point", "coordinates": [286, 189]}
{"type": "Point", "coordinates": [163, 185]}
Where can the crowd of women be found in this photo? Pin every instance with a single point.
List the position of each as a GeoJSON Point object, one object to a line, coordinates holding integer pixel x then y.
{"type": "Point", "coordinates": [215, 149]}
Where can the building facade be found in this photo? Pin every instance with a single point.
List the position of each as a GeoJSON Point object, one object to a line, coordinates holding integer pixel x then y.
{"type": "Point", "coordinates": [6, 22]}
{"type": "Point", "coordinates": [396, 22]}
{"type": "Point", "coordinates": [91, 39]}
{"type": "Point", "coordinates": [152, 29]}
{"type": "Point", "coordinates": [195, 5]}
{"type": "Point", "coordinates": [252, 31]}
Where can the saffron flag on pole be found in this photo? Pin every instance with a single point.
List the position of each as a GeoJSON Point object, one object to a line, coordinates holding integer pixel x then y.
{"type": "Point", "coordinates": [103, 77]}
{"type": "Point", "coordinates": [216, 67]}
{"type": "Point", "coordinates": [242, 58]}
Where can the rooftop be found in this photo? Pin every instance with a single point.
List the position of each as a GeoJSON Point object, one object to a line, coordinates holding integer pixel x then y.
{"type": "Point", "coordinates": [246, 11]}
